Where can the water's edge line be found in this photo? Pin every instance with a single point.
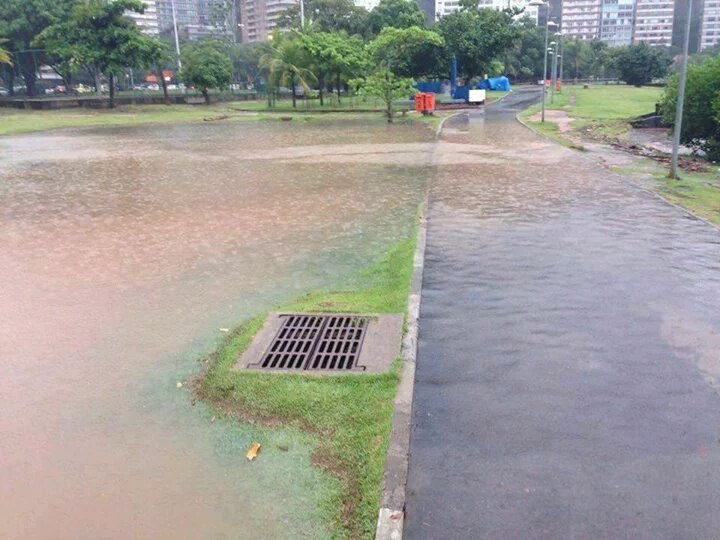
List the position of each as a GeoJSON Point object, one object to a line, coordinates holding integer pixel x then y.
{"type": "Point", "coordinates": [391, 515]}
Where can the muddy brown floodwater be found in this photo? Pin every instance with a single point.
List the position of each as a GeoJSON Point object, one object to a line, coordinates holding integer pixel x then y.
{"type": "Point", "coordinates": [123, 251]}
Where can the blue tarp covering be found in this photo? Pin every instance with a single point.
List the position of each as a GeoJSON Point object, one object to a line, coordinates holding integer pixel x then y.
{"type": "Point", "coordinates": [495, 83]}
{"type": "Point", "coordinates": [429, 86]}
{"type": "Point", "coordinates": [461, 92]}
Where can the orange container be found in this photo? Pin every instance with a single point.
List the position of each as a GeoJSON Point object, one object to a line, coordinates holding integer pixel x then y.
{"type": "Point", "coordinates": [429, 101]}
{"type": "Point", "coordinates": [419, 102]}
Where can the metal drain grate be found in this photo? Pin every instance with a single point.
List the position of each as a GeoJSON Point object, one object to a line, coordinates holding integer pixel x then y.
{"type": "Point", "coordinates": [316, 342]}
{"type": "Point", "coordinates": [339, 344]}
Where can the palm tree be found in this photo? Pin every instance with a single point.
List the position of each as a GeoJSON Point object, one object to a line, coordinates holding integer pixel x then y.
{"type": "Point", "coordinates": [4, 54]}
{"type": "Point", "coordinates": [285, 63]}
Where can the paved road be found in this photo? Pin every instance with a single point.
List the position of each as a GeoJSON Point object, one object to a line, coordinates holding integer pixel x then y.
{"type": "Point", "coordinates": [569, 354]}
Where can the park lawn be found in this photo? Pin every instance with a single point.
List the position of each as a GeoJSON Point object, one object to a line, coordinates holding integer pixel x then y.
{"type": "Point", "coordinates": [16, 121]}
{"type": "Point", "coordinates": [349, 415]}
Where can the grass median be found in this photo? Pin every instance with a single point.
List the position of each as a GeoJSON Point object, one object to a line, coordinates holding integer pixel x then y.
{"type": "Point", "coordinates": [349, 415]}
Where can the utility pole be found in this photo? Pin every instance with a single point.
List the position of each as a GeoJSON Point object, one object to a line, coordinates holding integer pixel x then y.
{"type": "Point", "coordinates": [553, 73]}
{"type": "Point", "coordinates": [177, 40]}
{"type": "Point", "coordinates": [548, 22]}
{"type": "Point", "coordinates": [681, 97]}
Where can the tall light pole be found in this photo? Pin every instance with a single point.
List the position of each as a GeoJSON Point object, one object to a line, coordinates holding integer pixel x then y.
{"type": "Point", "coordinates": [548, 23]}
{"type": "Point", "coordinates": [681, 97]}
{"type": "Point", "coordinates": [177, 40]}
{"type": "Point", "coordinates": [554, 69]}
{"type": "Point", "coordinates": [302, 14]}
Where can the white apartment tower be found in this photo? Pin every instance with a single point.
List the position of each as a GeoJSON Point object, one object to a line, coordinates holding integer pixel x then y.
{"type": "Point", "coordinates": [445, 7]}
{"type": "Point", "coordinates": [147, 21]}
{"type": "Point", "coordinates": [710, 33]}
{"type": "Point", "coordinates": [581, 18]}
{"type": "Point", "coordinates": [654, 22]}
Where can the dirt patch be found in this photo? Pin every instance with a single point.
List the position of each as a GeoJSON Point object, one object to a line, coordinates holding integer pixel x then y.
{"type": "Point", "coordinates": [561, 118]}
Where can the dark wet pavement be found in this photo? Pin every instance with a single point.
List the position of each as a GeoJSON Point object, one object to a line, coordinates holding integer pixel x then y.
{"type": "Point", "coordinates": [569, 359]}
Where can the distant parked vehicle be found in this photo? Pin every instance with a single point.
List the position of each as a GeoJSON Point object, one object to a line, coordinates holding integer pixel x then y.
{"type": "Point", "coordinates": [83, 88]}
{"type": "Point", "coordinates": [4, 91]}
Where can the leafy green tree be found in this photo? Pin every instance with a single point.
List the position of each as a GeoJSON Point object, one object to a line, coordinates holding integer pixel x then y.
{"type": "Point", "coordinates": [640, 64]}
{"type": "Point", "coordinates": [409, 52]}
{"type": "Point", "coordinates": [525, 60]}
{"type": "Point", "coordinates": [20, 23]}
{"type": "Point", "coordinates": [327, 16]}
{"type": "Point", "coordinates": [98, 34]}
{"type": "Point", "coordinates": [63, 53]}
{"type": "Point", "coordinates": [477, 37]}
{"type": "Point", "coordinates": [287, 63]}
{"type": "Point", "coordinates": [388, 86]}
{"type": "Point", "coordinates": [334, 54]}
{"type": "Point", "coordinates": [206, 65]}
{"type": "Point", "coordinates": [577, 58]}
{"type": "Point", "coordinates": [701, 113]}
{"type": "Point", "coordinates": [395, 14]}
{"type": "Point", "coordinates": [4, 54]}
{"type": "Point", "coordinates": [245, 58]}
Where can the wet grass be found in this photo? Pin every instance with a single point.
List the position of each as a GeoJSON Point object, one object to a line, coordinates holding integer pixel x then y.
{"type": "Point", "coordinates": [17, 121]}
{"type": "Point", "coordinates": [698, 192]}
{"type": "Point", "coordinates": [349, 415]}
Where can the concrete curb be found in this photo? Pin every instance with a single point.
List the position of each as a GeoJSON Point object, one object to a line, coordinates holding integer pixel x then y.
{"type": "Point", "coordinates": [391, 516]}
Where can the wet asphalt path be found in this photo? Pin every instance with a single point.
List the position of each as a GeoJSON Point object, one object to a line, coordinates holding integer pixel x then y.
{"type": "Point", "coordinates": [569, 357]}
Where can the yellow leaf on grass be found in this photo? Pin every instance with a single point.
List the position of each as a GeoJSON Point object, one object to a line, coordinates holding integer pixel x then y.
{"type": "Point", "coordinates": [254, 451]}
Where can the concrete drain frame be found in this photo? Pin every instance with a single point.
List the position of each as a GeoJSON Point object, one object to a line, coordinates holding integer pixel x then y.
{"type": "Point", "coordinates": [324, 343]}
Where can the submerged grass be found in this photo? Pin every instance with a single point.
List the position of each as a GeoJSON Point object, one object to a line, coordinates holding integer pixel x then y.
{"type": "Point", "coordinates": [349, 415]}
{"type": "Point", "coordinates": [16, 121]}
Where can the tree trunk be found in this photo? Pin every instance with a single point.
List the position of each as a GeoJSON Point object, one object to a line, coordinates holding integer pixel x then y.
{"type": "Point", "coordinates": [98, 85]}
{"type": "Point", "coordinates": [29, 75]}
{"type": "Point", "coordinates": [337, 80]}
{"type": "Point", "coordinates": [292, 88]}
{"type": "Point", "coordinates": [11, 80]}
{"type": "Point", "coordinates": [206, 96]}
{"type": "Point", "coordinates": [388, 99]}
{"type": "Point", "coordinates": [112, 90]}
{"type": "Point", "coordinates": [166, 98]}
{"type": "Point", "coordinates": [321, 83]}
{"type": "Point", "coordinates": [268, 89]}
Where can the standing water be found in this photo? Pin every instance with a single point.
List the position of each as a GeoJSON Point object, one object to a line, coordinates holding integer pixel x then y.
{"type": "Point", "coordinates": [123, 252]}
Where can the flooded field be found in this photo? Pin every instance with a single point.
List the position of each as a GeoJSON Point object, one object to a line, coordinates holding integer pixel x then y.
{"type": "Point", "coordinates": [123, 254]}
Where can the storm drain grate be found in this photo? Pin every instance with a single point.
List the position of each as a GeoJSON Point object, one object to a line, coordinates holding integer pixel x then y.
{"type": "Point", "coordinates": [316, 342]}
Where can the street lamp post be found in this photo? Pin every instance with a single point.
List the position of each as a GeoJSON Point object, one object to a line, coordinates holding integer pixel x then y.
{"type": "Point", "coordinates": [177, 40]}
{"type": "Point", "coordinates": [548, 22]}
{"type": "Point", "coordinates": [681, 98]}
{"type": "Point", "coordinates": [554, 69]}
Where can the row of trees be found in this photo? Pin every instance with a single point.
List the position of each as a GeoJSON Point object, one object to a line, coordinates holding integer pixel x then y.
{"type": "Point", "coordinates": [701, 114]}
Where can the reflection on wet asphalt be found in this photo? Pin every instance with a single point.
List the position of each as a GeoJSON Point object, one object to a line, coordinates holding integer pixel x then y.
{"type": "Point", "coordinates": [123, 251]}
{"type": "Point", "coordinates": [569, 360]}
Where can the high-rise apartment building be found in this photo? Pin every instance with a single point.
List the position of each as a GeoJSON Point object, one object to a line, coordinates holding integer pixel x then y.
{"type": "Point", "coordinates": [616, 22]}
{"type": "Point", "coordinates": [195, 18]}
{"type": "Point", "coordinates": [581, 18]}
{"type": "Point", "coordinates": [260, 17]}
{"type": "Point", "coordinates": [445, 7]}
{"type": "Point", "coordinates": [147, 21]}
{"type": "Point", "coordinates": [710, 32]}
{"type": "Point", "coordinates": [654, 22]}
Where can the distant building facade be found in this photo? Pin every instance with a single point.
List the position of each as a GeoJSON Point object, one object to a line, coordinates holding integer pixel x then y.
{"type": "Point", "coordinates": [581, 19]}
{"type": "Point", "coordinates": [654, 20]}
{"type": "Point", "coordinates": [260, 17]}
{"type": "Point", "coordinates": [194, 17]}
{"type": "Point", "coordinates": [710, 17]}
{"type": "Point", "coordinates": [445, 7]}
{"type": "Point", "coordinates": [147, 21]}
{"type": "Point", "coordinates": [616, 22]}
